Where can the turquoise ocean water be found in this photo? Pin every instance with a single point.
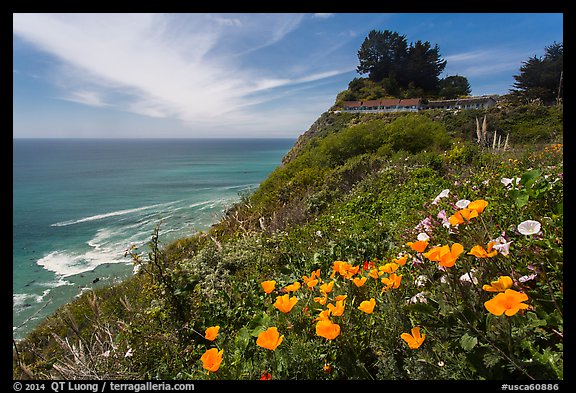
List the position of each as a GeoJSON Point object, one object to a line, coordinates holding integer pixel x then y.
{"type": "Point", "coordinates": [79, 204]}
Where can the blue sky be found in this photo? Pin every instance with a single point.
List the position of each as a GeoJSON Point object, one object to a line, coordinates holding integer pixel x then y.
{"type": "Point", "coordinates": [233, 75]}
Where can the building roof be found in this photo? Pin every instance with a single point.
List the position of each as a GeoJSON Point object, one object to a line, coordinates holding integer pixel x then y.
{"type": "Point", "coordinates": [382, 102]}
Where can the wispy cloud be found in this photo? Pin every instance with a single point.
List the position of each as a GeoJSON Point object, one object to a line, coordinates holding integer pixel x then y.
{"type": "Point", "coordinates": [192, 67]}
{"type": "Point", "coordinates": [322, 15]}
{"type": "Point", "coordinates": [484, 62]}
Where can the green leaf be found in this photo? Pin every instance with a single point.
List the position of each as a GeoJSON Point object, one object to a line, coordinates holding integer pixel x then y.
{"type": "Point", "coordinates": [529, 176]}
{"type": "Point", "coordinates": [468, 342]}
{"type": "Point", "coordinates": [520, 197]}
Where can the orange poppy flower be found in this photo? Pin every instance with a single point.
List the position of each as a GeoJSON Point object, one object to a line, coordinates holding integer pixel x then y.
{"type": "Point", "coordinates": [211, 359]}
{"type": "Point", "coordinates": [285, 303]}
{"type": "Point", "coordinates": [367, 306]}
{"type": "Point", "coordinates": [478, 205]}
{"type": "Point", "coordinates": [340, 297]}
{"type": "Point", "coordinates": [445, 255]}
{"type": "Point", "coordinates": [338, 309]}
{"type": "Point", "coordinates": [292, 287]}
{"type": "Point", "coordinates": [269, 339]}
{"type": "Point", "coordinates": [359, 281]}
{"type": "Point", "coordinates": [375, 273]}
{"type": "Point", "coordinates": [211, 333]}
{"type": "Point", "coordinates": [266, 376]}
{"type": "Point", "coordinates": [418, 246]}
{"type": "Point", "coordinates": [268, 286]}
{"type": "Point", "coordinates": [323, 316]}
{"type": "Point", "coordinates": [327, 329]}
{"type": "Point", "coordinates": [462, 216]}
{"type": "Point", "coordinates": [415, 339]}
{"type": "Point", "coordinates": [503, 283]}
{"type": "Point", "coordinates": [402, 260]}
{"type": "Point", "coordinates": [327, 287]}
{"type": "Point", "coordinates": [508, 302]}
{"type": "Point", "coordinates": [322, 300]}
{"type": "Point", "coordinates": [388, 268]}
{"type": "Point", "coordinates": [392, 281]}
{"type": "Point", "coordinates": [313, 279]}
{"type": "Point", "coordinates": [478, 251]}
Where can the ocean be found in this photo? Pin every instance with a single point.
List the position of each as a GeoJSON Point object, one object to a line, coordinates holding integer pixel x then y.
{"type": "Point", "coordinates": [78, 204]}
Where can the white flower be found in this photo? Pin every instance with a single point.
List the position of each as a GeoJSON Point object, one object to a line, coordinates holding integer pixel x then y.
{"type": "Point", "coordinates": [319, 233]}
{"type": "Point", "coordinates": [443, 194]}
{"type": "Point", "coordinates": [502, 246]}
{"type": "Point", "coordinates": [418, 298]}
{"type": "Point", "coordinates": [421, 280]}
{"type": "Point", "coordinates": [469, 278]}
{"type": "Point", "coordinates": [444, 279]}
{"type": "Point", "coordinates": [422, 236]}
{"type": "Point", "coordinates": [527, 278]}
{"type": "Point", "coordinates": [508, 182]}
{"type": "Point", "coordinates": [136, 269]}
{"type": "Point", "coordinates": [129, 353]}
{"type": "Point", "coordinates": [529, 227]}
{"type": "Point", "coordinates": [106, 354]}
{"type": "Point", "coordinates": [442, 215]}
{"type": "Point", "coordinates": [462, 203]}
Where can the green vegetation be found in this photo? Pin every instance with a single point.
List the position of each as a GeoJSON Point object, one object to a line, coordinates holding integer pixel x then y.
{"type": "Point", "coordinates": [540, 79]}
{"type": "Point", "coordinates": [344, 216]}
{"type": "Point", "coordinates": [398, 69]}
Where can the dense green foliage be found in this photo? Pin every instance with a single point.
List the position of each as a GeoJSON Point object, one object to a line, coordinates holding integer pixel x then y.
{"type": "Point", "coordinates": [541, 78]}
{"type": "Point", "coordinates": [398, 69]}
{"type": "Point", "coordinates": [358, 190]}
{"type": "Point", "coordinates": [386, 56]}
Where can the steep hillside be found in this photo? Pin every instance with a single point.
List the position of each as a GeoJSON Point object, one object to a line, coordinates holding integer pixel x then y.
{"type": "Point", "coordinates": [386, 246]}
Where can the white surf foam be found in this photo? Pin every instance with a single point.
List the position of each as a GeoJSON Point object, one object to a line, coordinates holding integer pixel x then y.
{"type": "Point", "coordinates": [106, 215]}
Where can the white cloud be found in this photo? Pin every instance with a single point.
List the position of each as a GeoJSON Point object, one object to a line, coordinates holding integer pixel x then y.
{"type": "Point", "coordinates": [322, 15]}
{"type": "Point", "coordinates": [190, 67]}
{"type": "Point", "coordinates": [484, 62]}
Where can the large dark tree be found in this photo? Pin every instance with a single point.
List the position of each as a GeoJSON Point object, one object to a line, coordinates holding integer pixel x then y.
{"type": "Point", "coordinates": [454, 86]}
{"type": "Point", "coordinates": [540, 77]}
{"type": "Point", "coordinates": [386, 57]}
{"type": "Point", "coordinates": [424, 66]}
{"type": "Point", "coordinates": [383, 54]}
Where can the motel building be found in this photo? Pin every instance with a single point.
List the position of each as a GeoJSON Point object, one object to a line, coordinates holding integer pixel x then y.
{"type": "Point", "coordinates": [416, 104]}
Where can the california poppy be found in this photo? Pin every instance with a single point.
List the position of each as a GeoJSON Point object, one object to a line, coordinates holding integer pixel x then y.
{"type": "Point", "coordinates": [367, 306]}
{"type": "Point", "coordinates": [479, 205]}
{"type": "Point", "coordinates": [338, 309]}
{"type": "Point", "coordinates": [503, 283]}
{"type": "Point", "coordinates": [268, 286]}
{"type": "Point", "coordinates": [418, 246]}
{"type": "Point", "coordinates": [269, 339]}
{"type": "Point", "coordinates": [285, 303]}
{"type": "Point", "coordinates": [402, 260]}
{"type": "Point", "coordinates": [327, 287]}
{"type": "Point", "coordinates": [392, 281]}
{"type": "Point", "coordinates": [462, 216]}
{"type": "Point", "coordinates": [292, 287]}
{"type": "Point", "coordinates": [445, 255]}
{"type": "Point", "coordinates": [211, 333]}
{"type": "Point", "coordinates": [359, 281]}
{"type": "Point", "coordinates": [266, 376]}
{"type": "Point", "coordinates": [480, 252]}
{"type": "Point", "coordinates": [508, 302]}
{"type": "Point", "coordinates": [211, 359]}
{"type": "Point", "coordinates": [327, 329]}
{"type": "Point", "coordinates": [415, 339]}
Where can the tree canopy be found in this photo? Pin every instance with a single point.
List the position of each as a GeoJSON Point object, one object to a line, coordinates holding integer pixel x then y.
{"type": "Point", "coordinates": [387, 58]}
{"type": "Point", "coordinates": [454, 86]}
{"type": "Point", "coordinates": [540, 77]}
